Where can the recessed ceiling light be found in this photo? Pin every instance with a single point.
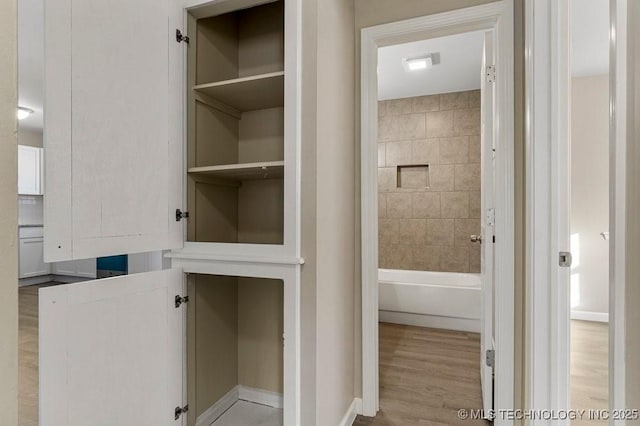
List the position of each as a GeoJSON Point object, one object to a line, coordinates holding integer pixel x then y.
{"type": "Point", "coordinates": [24, 113]}
{"type": "Point", "coordinates": [418, 63]}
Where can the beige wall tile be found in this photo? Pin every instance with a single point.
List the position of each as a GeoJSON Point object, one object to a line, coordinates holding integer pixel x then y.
{"type": "Point", "coordinates": [474, 98]}
{"type": "Point", "coordinates": [414, 178]}
{"type": "Point", "coordinates": [382, 205]}
{"type": "Point", "coordinates": [474, 204]}
{"type": "Point", "coordinates": [388, 231]}
{"type": "Point", "coordinates": [382, 154]}
{"type": "Point", "coordinates": [426, 103]}
{"type": "Point", "coordinates": [474, 259]}
{"type": "Point", "coordinates": [401, 127]}
{"type": "Point", "coordinates": [382, 108]}
{"type": "Point", "coordinates": [399, 106]}
{"type": "Point", "coordinates": [386, 179]}
{"type": "Point", "coordinates": [455, 100]}
{"type": "Point", "coordinates": [463, 229]}
{"type": "Point", "coordinates": [474, 149]}
{"type": "Point", "coordinates": [454, 259]}
{"type": "Point", "coordinates": [440, 124]}
{"type": "Point", "coordinates": [467, 177]}
{"type": "Point", "coordinates": [454, 150]}
{"type": "Point", "coordinates": [426, 204]}
{"type": "Point", "coordinates": [398, 256]}
{"type": "Point", "coordinates": [454, 204]}
{"type": "Point", "coordinates": [426, 151]}
{"type": "Point", "coordinates": [398, 153]}
{"type": "Point", "coordinates": [399, 205]}
{"type": "Point", "coordinates": [466, 121]}
{"type": "Point", "coordinates": [413, 231]}
{"type": "Point", "coordinates": [440, 232]}
{"type": "Point", "coordinates": [426, 258]}
{"type": "Point", "coordinates": [441, 177]}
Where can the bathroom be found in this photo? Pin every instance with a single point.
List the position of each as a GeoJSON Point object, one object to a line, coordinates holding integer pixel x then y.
{"type": "Point", "coordinates": [429, 185]}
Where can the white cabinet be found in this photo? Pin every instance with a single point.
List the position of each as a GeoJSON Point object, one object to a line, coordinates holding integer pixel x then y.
{"type": "Point", "coordinates": [85, 268]}
{"type": "Point", "coordinates": [129, 150]}
{"type": "Point", "coordinates": [29, 170]}
{"type": "Point", "coordinates": [32, 253]}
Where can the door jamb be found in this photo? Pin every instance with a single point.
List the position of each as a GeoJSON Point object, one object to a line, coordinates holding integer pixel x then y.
{"type": "Point", "coordinates": [497, 16]}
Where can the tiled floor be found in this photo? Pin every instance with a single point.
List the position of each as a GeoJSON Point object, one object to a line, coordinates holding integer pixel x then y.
{"type": "Point", "coordinates": [244, 413]}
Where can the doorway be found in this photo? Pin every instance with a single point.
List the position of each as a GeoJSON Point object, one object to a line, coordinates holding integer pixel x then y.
{"type": "Point", "coordinates": [494, 19]}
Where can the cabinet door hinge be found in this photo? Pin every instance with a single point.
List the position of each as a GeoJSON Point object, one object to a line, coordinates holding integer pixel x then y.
{"type": "Point", "coordinates": [181, 38]}
{"type": "Point", "coordinates": [490, 73]}
{"type": "Point", "coordinates": [565, 259]}
{"type": "Point", "coordinates": [179, 411]}
{"type": "Point", "coordinates": [180, 300]}
{"type": "Point", "coordinates": [490, 358]}
{"type": "Point", "coordinates": [181, 215]}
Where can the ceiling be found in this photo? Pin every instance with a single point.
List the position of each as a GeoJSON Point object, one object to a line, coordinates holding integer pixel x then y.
{"type": "Point", "coordinates": [461, 56]}
{"type": "Point", "coordinates": [459, 68]}
{"type": "Point", "coordinates": [31, 60]}
{"type": "Point", "coordinates": [589, 37]}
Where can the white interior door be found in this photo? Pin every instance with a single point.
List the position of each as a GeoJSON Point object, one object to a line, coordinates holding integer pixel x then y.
{"type": "Point", "coordinates": [487, 220]}
{"type": "Point", "coordinates": [111, 351]}
{"type": "Point", "coordinates": [113, 127]}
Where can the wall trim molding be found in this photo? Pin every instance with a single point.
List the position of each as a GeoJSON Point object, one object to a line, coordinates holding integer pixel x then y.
{"type": "Point", "coordinates": [212, 413]}
{"type": "Point", "coordinates": [430, 321]}
{"type": "Point", "coordinates": [240, 393]}
{"type": "Point", "coordinates": [589, 316]}
{"type": "Point", "coordinates": [352, 412]}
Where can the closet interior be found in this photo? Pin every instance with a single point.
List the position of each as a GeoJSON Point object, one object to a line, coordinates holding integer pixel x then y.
{"type": "Point", "coordinates": [235, 133]}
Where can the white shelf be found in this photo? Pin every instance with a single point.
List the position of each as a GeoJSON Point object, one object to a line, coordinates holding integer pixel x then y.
{"type": "Point", "coordinates": [246, 171]}
{"type": "Point", "coordinates": [247, 93]}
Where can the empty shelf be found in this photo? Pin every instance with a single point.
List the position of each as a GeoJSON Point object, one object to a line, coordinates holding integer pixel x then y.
{"type": "Point", "coordinates": [246, 171]}
{"type": "Point", "coordinates": [248, 93]}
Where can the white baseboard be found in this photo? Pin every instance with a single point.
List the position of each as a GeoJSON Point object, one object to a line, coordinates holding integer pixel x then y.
{"type": "Point", "coordinates": [431, 321]}
{"type": "Point", "coordinates": [239, 393]}
{"type": "Point", "coordinates": [216, 410]}
{"type": "Point", "coordinates": [260, 396]}
{"type": "Point", "coordinates": [590, 316]}
{"type": "Point", "coordinates": [350, 416]}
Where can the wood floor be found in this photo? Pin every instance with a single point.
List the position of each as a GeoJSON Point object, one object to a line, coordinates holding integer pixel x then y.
{"type": "Point", "coordinates": [426, 375]}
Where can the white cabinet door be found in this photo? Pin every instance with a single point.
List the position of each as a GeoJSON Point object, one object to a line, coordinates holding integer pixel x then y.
{"type": "Point", "coordinates": [113, 127]}
{"type": "Point", "coordinates": [31, 258]}
{"type": "Point", "coordinates": [29, 170]}
{"type": "Point", "coordinates": [111, 351]}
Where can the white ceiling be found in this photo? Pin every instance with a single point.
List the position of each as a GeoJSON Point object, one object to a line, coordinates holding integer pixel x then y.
{"type": "Point", "coordinates": [459, 68]}
{"type": "Point", "coordinates": [589, 37]}
{"type": "Point", "coordinates": [31, 60]}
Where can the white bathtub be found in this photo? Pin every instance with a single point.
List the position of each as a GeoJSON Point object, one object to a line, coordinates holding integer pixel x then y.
{"type": "Point", "coordinates": [430, 299]}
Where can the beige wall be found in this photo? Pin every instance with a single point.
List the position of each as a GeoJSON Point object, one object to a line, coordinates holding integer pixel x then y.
{"type": "Point", "coordinates": [426, 215]}
{"type": "Point", "coordinates": [632, 291]}
{"type": "Point", "coordinates": [9, 216]}
{"type": "Point", "coordinates": [590, 192]}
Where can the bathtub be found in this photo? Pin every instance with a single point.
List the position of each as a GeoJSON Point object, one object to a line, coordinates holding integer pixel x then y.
{"type": "Point", "coordinates": [445, 300]}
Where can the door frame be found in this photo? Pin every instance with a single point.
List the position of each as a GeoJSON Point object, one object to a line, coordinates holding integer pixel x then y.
{"type": "Point", "coordinates": [497, 16]}
{"type": "Point", "coordinates": [547, 90]}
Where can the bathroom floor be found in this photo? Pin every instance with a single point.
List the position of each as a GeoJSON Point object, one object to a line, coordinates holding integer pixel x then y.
{"type": "Point", "coordinates": [426, 376]}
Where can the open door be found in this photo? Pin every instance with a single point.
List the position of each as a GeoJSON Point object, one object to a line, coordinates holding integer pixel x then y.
{"type": "Point", "coordinates": [487, 219]}
{"type": "Point", "coordinates": [111, 351]}
{"type": "Point", "coordinates": [113, 136]}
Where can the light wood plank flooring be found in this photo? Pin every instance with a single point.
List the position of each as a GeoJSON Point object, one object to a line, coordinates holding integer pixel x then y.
{"type": "Point", "coordinates": [426, 375]}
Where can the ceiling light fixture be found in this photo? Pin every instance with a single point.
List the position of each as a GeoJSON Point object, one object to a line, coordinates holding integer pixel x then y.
{"type": "Point", "coordinates": [24, 113]}
{"type": "Point", "coordinates": [418, 63]}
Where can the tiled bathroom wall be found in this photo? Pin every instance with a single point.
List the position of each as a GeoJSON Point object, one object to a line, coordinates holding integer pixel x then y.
{"type": "Point", "coordinates": [425, 224]}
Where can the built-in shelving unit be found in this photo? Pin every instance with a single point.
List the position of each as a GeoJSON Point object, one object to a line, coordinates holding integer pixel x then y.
{"type": "Point", "coordinates": [236, 126]}
{"type": "Point", "coordinates": [247, 93]}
